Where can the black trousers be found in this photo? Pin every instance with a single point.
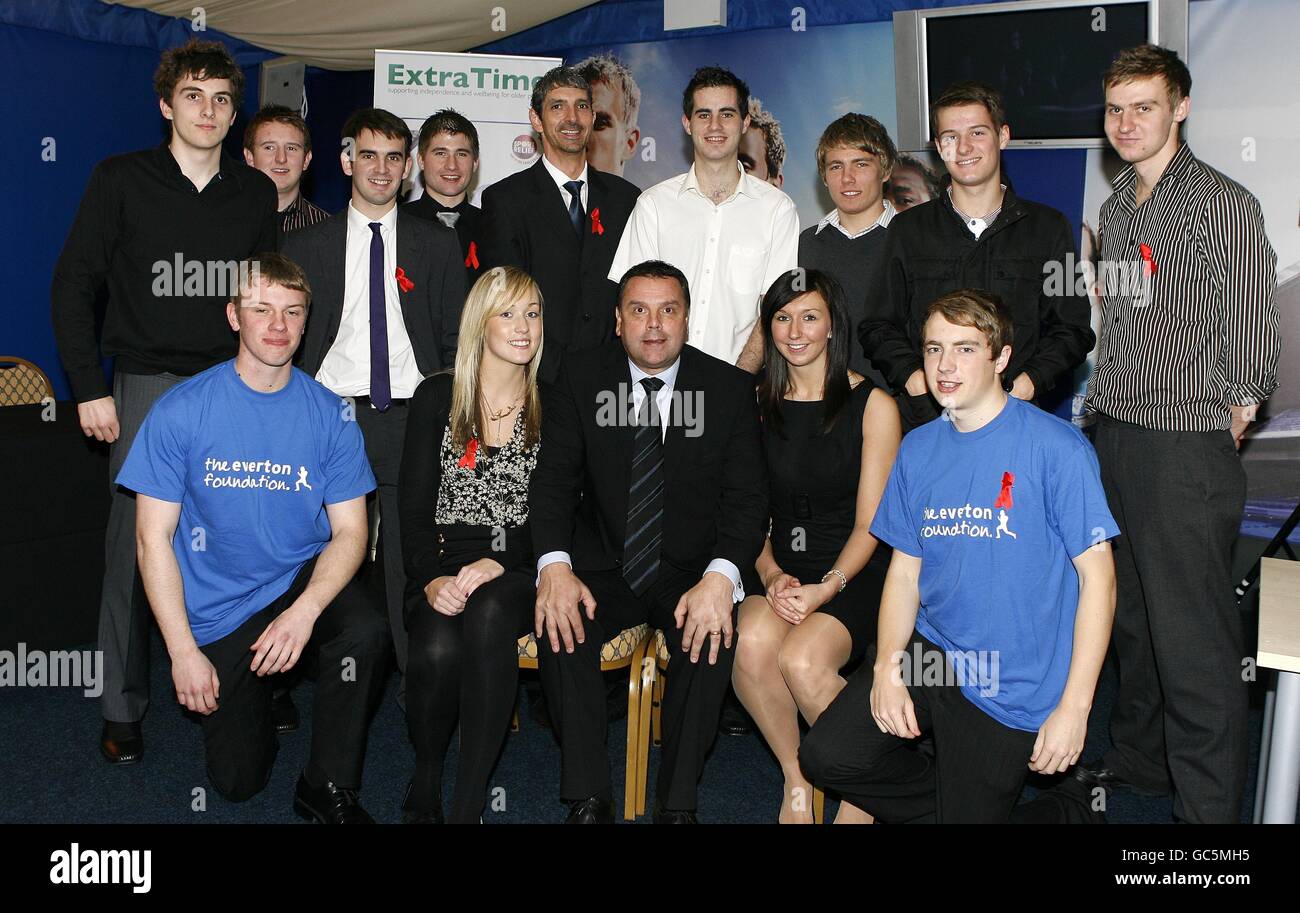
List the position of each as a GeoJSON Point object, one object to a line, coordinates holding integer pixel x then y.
{"type": "Point", "coordinates": [576, 694]}
{"type": "Point", "coordinates": [464, 667]}
{"type": "Point", "coordinates": [1180, 714]}
{"type": "Point", "coordinates": [348, 654]}
{"type": "Point", "coordinates": [976, 775]}
{"type": "Point", "coordinates": [385, 435]}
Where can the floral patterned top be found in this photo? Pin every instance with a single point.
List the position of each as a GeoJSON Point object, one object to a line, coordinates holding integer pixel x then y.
{"type": "Point", "coordinates": [491, 492]}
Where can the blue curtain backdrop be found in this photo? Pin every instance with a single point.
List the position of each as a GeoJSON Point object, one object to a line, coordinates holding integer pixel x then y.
{"type": "Point", "coordinates": [77, 75]}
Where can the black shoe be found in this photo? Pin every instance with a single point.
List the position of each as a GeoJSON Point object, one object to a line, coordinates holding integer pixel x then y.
{"type": "Point", "coordinates": [591, 811]}
{"type": "Point", "coordinates": [329, 804]}
{"type": "Point", "coordinates": [418, 816]}
{"type": "Point", "coordinates": [664, 816]}
{"type": "Point", "coordinates": [1098, 774]}
{"type": "Point", "coordinates": [734, 719]}
{"type": "Point", "coordinates": [121, 743]}
{"type": "Point", "coordinates": [1073, 800]}
{"type": "Point", "coordinates": [283, 713]}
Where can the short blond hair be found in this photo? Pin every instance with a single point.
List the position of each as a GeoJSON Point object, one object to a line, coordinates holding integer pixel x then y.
{"type": "Point", "coordinates": [858, 131]}
{"type": "Point", "coordinates": [976, 308]}
{"type": "Point", "coordinates": [273, 269]}
{"type": "Point", "coordinates": [614, 73]}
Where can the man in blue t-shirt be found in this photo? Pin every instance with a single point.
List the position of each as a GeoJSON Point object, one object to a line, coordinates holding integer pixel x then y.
{"type": "Point", "coordinates": [998, 604]}
{"type": "Point", "coordinates": [251, 481]}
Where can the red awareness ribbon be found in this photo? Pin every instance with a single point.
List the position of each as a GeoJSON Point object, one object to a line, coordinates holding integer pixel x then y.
{"type": "Point", "coordinates": [472, 260]}
{"type": "Point", "coordinates": [404, 283]}
{"type": "Point", "coordinates": [470, 459]}
{"type": "Point", "coordinates": [1004, 496]}
{"type": "Point", "coordinates": [1147, 258]}
{"type": "Point", "coordinates": [596, 227]}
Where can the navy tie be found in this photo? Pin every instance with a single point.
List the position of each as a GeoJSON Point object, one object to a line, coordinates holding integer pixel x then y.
{"type": "Point", "coordinates": [645, 497]}
{"type": "Point", "coordinates": [575, 205]}
{"type": "Point", "coordinates": [381, 394]}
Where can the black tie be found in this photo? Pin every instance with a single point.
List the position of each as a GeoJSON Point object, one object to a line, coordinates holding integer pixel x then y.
{"type": "Point", "coordinates": [575, 205]}
{"type": "Point", "coordinates": [645, 497]}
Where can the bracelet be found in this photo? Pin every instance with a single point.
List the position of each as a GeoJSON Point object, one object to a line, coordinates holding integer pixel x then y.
{"type": "Point", "coordinates": [844, 581]}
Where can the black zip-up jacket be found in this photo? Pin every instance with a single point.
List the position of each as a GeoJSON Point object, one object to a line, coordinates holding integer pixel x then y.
{"type": "Point", "coordinates": [931, 252]}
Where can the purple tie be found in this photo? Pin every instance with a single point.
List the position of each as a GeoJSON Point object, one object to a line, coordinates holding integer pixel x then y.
{"type": "Point", "coordinates": [381, 395]}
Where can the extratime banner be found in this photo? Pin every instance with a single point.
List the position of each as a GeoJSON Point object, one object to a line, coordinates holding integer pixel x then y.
{"type": "Point", "coordinates": [493, 91]}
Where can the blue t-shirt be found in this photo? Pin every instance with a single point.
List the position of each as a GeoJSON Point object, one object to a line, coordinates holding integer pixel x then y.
{"type": "Point", "coordinates": [252, 473]}
{"type": "Point", "coordinates": [996, 515]}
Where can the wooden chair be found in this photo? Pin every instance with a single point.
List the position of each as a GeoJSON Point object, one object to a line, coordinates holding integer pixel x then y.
{"type": "Point", "coordinates": [22, 383]}
{"type": "Point", "coordinates": [659, 669]}
{"type": "Point", "coordinates": [626, 650]}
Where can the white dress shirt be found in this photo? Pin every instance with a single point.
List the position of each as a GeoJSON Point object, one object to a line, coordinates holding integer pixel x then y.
{"type": "Point", "coordinates": [731, 252]}
{"type": "Point", "coordinates": [663, 399]}
{"type": "Point", "coordinates": [346, 366]}
{"type": "Point", "coordinates": [833, 218]}
{"type": "Point", "coordinates": [560, 179]}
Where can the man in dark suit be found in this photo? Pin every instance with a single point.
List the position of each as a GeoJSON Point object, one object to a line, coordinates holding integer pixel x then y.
{"type": "Point", "coordinates": [388, 290]}
{"type": "Point", "coordinates": [561, 221]}
{"type": "Point", "coordinates": [649, 496]}
{"type": "Point", "coordinates": [448, 152]}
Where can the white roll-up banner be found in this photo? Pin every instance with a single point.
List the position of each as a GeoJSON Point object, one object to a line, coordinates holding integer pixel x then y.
{"type": "Point", "coordinates": [492, 90]}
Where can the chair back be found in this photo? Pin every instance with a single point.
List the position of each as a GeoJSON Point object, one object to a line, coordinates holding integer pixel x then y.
{"type": "Point", "coordinates": [22, 383]}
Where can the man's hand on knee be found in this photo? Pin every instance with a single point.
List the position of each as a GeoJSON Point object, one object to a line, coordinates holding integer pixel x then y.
{"type": "Point", "coordinates": [704, 615]}
{"type": "Point", "coordinates": [559, 594]}
{"type": "Point", "coordinates": [197, 686]}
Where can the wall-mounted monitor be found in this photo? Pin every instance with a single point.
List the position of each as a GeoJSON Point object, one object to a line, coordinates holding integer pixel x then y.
{"type": "Point", "coordinates": [1046, 57]}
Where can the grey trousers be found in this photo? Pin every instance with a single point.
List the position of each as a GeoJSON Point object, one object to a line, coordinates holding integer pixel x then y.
{"type": "Point", "coordinates": [124, 618]}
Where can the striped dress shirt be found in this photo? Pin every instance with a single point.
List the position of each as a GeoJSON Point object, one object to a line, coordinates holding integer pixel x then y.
{"type": "Point", "coordinates": [1188, 325]}
{"type": "Point", "coordinates": [299, 214]}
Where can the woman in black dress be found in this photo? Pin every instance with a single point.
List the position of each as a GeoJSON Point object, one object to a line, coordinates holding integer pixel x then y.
{"type": "Point", "coordinates": [471, 445]}
{"type": "Point", "coordinates": [830, 438]}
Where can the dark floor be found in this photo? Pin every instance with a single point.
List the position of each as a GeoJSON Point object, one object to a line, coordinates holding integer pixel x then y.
{"type": "Point", "coordinates": [53, 771]}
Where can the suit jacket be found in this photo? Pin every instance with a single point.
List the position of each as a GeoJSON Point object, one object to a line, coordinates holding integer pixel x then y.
{"type": "Point", "coordinates": [427, 253]}
{"type": "Point", "coordinates": [469, 230]}
{"type": "Point", "coordinates": [715, 496]}
{"type": "Point", "coordinates": [526, 224]}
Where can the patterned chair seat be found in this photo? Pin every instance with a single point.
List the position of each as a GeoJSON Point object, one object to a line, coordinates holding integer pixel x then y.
{"type": "Point", "coordinates": [661, 649]}
{"type": "Point", "coordinates": [621, 647]}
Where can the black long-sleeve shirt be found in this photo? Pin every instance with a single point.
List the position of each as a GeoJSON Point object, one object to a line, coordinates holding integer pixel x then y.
{"type": "Point", "coordinates": [166, 251]}
{"type": "Point", "coordinates": [931, 252]}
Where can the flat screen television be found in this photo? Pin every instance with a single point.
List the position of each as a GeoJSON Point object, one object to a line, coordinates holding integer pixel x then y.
{"type": "Point", "coordinates": [1046, 57]}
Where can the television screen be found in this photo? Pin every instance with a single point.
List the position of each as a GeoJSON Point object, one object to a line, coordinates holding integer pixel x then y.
{"type": "Point", "coordinates": [1047, 63]}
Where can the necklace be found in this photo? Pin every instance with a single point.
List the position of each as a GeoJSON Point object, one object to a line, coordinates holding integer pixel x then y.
{"type": "Point", "coordinates": [497, 416]}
